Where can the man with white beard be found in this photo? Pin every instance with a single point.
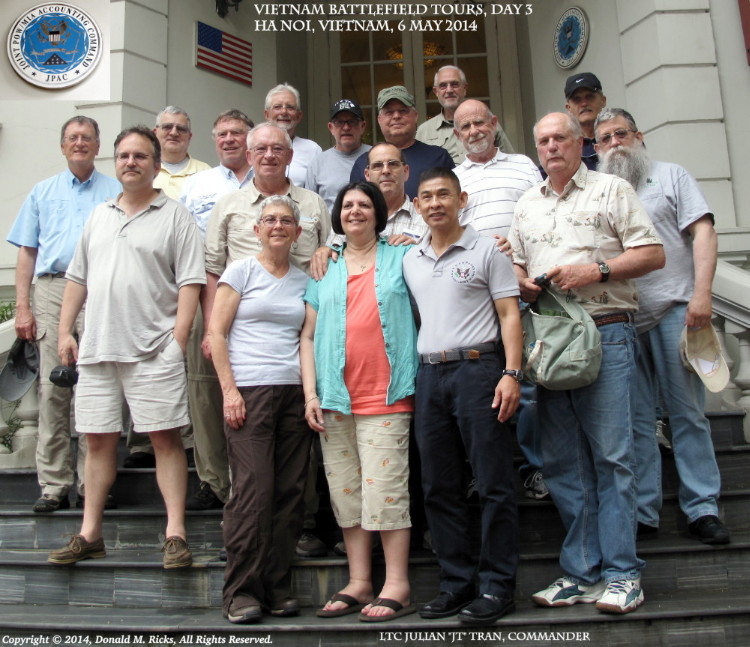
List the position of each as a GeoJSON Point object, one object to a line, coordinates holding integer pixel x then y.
{"type": "Point", "coordinates": [494, 180]}
{"type": "Point", "coordinates": [671, 298]}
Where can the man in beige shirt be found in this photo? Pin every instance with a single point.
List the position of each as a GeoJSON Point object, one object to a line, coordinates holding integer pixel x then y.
{"type": "Point", "coordinates": [590, 235]}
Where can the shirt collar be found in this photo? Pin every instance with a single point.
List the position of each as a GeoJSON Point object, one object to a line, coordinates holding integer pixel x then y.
{"type": "Point", "coordinates": [467, 240]}
{"type": "Point", "coordinates": [578, 179]}
{"type": "Point", "coordinates": [73, 180]}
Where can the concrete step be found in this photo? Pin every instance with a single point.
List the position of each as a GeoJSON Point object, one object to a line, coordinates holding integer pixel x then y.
{"type": "Point", "coordinates": [135, 578]}
{"type": "Point", "coordinates": [710, 619]}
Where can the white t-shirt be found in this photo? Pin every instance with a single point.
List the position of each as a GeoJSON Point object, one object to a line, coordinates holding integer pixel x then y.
{"type": "Point", "coordinates": [264, 337]}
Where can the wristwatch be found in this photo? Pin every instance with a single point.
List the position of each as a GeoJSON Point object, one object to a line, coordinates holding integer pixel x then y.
{"type": "Point", "coordinates": [516, 375]}
{"type": "Point", "coordinates": [604, 269]}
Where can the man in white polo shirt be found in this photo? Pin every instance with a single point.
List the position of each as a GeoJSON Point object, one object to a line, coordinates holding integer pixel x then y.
{"type": "Point", "coordinates": [467, 388]}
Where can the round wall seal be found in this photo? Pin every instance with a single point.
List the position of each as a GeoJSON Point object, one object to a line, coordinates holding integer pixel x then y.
{"type": "Point", "coordinates": [570, 38]}
{"type": "Point", "coordinates": [54, 45]}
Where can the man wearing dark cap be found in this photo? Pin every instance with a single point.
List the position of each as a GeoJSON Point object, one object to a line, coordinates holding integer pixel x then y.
{"type": "Point", "coordinates": [584, 100]}
{"type": "Point", "coordinates": [397, 118]}
{"type": "Point", "coordinates": [329, 170]}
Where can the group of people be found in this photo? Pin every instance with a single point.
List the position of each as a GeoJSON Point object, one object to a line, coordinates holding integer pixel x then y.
{"type": "Point", "coordinates": [371, 294]}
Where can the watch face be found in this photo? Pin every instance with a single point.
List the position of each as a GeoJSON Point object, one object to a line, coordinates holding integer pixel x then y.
{"type": "Point", "coordinates": [570, 38]}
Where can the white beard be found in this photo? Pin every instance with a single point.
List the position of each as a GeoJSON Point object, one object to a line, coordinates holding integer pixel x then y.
{"type": "Point", "coordinates": [631, 164]}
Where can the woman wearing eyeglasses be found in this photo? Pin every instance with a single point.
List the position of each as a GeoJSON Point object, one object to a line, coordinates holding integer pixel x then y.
{"type": "Point", "coordinates": [358, 351]}
{"type": "Point", "coordinates": [254, 331]}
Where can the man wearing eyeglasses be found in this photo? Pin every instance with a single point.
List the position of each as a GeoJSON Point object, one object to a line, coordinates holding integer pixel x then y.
{"type": "Point", "coordinates": [450, 88]}
{"type": "Point", "coordinates": [283, 108]}
{"type": "Point", "coordinates": [174, 134]}
{"type": "Point", "coordinates": [329, 170]}
{"type": "Point", "coordinates": [669, 299]}
{"type": "Point", "coordinates": [397, 118]}
{"type": "Point", "coordinates": [46, 231]}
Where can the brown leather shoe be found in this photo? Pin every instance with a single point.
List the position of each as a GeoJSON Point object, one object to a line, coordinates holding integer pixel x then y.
{"type": "Point", "coordinates": [176, 553]}
{"type": "Point", "coordinates": [76, 550]}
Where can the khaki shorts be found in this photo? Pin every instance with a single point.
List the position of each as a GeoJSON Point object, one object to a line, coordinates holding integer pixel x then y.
{"type": "Point", "coordinates": [367, 466]}
{"type": "Point", "coordinates": [154, 388]}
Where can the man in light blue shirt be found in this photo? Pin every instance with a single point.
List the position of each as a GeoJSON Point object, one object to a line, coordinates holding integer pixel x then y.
{"type": "Point", "coordinates": [46, 232]}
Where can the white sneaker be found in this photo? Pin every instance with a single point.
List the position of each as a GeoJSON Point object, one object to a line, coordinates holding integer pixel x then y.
{"type": "Point", "coordinates": [565, 592]}
{"type": "Point", "coordinates": [621, 596]}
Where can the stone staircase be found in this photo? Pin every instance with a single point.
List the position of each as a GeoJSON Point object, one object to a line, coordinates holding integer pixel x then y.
{"type": "Point", "coordinates": [695, 594]}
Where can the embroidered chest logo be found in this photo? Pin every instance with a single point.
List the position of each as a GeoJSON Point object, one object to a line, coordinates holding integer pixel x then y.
{"type": "Point", "coordinates": [463, 272]}
{"type": "Point", "coordinates": [54, 45]}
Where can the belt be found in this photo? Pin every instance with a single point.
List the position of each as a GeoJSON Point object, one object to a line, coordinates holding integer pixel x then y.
{"type": "Point", "coordinates": [58, 275]}
{"type": "Point", "coordinates": [603, 320]}
{"type": "Point", "coordinates": [456, 354]}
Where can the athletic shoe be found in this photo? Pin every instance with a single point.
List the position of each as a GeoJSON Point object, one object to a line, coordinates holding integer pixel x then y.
{"type": "Point", "coordinates": [51, 503]}
{"type": "Point", "coordinates": [534, 486]}
{"type": "Point", "coordinates": [564, 592]}
{"type": "Point", "coordinates": [621, 596]}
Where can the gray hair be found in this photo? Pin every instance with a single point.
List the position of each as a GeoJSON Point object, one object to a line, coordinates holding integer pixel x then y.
{"type": "Point", "coordinates": [282, 87]}
{"type": "Point", "coordinates": [173, 110]}
{"type": "Point", "coordinates": [461, 74]}
{"type": "Point", "coordinates": [574, 128]}
{"type": "Point", "coordinates": [278, 199]}
{"type": "Point", "coordinates": [608, 114]}
{"type": "Point", "coordinates": [269, 124]}
{"type": "Point", "coordinates": [81, 120]}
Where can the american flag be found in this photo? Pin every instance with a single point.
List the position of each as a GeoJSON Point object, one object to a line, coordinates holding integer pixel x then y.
{"type": "Point", "coordinates": [224, 54]}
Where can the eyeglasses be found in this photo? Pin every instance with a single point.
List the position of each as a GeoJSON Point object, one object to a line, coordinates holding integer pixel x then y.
{"type": "Point", "coordinates": [183, 130]}
{"type": "Point", "coordinates": [72, 139]}
{"type": "Point", "coordinates": [620, 133]}
{"type": "Point", "coordinates": [340, 123]}
{"type": "Point", "coordinates": [138, 157]}
{"type": "Point", "coordinates": [444, 85]}
{"type": "Point", "coordinates": [379, 166]}
{"type": "Point", "coordinates": [286, 221]}
{"type": "Point", "coordinates": [276, 151]}
{"type": "Point", "coordinates": [278, 107]}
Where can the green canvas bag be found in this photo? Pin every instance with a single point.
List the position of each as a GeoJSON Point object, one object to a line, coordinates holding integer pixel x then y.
{"type": "Point", "coordinates": [562, 348]}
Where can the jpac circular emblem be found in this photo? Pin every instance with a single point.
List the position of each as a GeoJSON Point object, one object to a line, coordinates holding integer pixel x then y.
{"type": "Point", "coordinates": [54, 45]}
{"type": "Point", "coordinates": [570, 38]}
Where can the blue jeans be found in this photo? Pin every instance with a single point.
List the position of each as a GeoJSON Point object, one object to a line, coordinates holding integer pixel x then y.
{"type": "Point", "coordinates": [660, 371]}
{"type": "Point", "coordinates": [454, 418]}
{"type": "Point", "coordinates": [587, 448]}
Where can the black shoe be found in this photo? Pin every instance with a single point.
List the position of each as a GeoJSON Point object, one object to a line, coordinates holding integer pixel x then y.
{"type": "Point", "coordinates": [309, 545]}
{"type": "Point", "coordinates": [51, 503]}
{"type": "Point", "coordinates": [222, 554]}
{"type": "Point", "coordinates": [445, 604]}
{"type": "Point", "coordinates": [138, 460]}
{"type": "Point", "coordinates": [109, 504]}
{"type": "Point", "coordinates": [486, 610]}
{"type": "Point", "coordinates": [646, 532]}
{"type": "Point", "coordinates": [190, 456]}
{"type": "Point", "coordinates": [709, 530]}
{"type": "Point", "coordinates": [204, 499]}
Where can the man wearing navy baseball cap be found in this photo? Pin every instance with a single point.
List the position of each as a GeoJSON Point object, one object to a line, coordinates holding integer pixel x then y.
{"type": "Point", "coordinates": [585, 100]}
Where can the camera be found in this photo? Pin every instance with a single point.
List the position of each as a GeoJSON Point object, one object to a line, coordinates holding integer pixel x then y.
{"type": "Point", "coordinates": [64, 376]}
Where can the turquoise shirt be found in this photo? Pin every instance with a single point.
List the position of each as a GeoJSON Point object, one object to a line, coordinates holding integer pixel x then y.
{"type": "Point", "coordinates": [328, 298]}
{"type": "Point", "coordinates": [53, 215]}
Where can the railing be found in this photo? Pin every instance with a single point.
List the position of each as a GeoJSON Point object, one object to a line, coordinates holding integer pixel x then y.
{"type": "Point", "coordinates": [731, 305]}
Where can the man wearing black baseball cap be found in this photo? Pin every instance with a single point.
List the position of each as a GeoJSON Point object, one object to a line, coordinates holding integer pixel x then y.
{"type": "Point", "coordinates": [584, 100]}
{"type": "Point", "coordinates": [329, 170]}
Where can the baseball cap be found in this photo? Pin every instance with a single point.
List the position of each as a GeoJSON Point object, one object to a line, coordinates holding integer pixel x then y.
{"type": "Point", "coordinates": [20, 371]}
{"type": "Point", "coordinates": [701, 353]}
{"type": "Point", "coordinates": [346, 104]}
{"type": "Point", "coordinates": [398, 92]}
{"type": "Point", "coordinates": [582, 80]}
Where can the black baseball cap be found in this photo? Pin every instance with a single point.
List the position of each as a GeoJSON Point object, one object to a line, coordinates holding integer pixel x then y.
{"type": "Point", "coordinates": [582, 80]}
{"type": "Point", "coordinates": [346, 104]}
